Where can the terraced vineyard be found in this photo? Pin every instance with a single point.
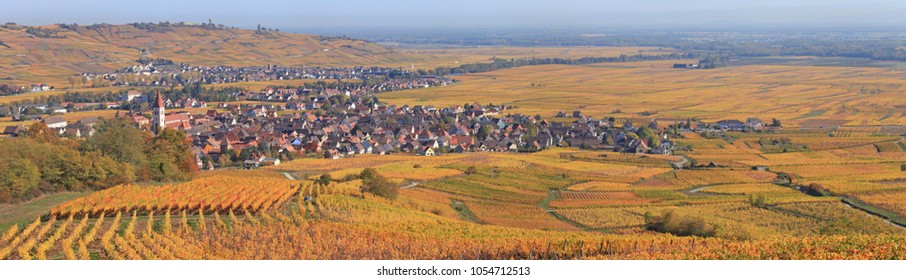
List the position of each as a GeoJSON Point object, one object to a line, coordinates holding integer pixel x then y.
{"type": "Point", "coordinates": [218, 194]}
{"type": "Point", "coordinates": [335, 223]}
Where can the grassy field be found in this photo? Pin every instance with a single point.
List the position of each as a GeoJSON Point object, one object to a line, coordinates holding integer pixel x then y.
{"type": "Point", "coordinates": [26, 212]}
{"type": "Point", "coordinates": [808, 96]}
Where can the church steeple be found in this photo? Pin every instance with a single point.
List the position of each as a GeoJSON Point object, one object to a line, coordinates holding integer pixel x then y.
{"type": "Point", "coordinates": [157, 122]}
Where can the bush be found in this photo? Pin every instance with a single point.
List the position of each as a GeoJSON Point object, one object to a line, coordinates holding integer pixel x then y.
{"type": "Point", "coordinates": [678, 225]}
{"type": "Point", "coordinates": [324, 180]}
{"type": "Point", "coordinates": [378, 185]}
{"type": "Point", "coordinates": [471, 170]}
{"type": "Point", "coordinates": [816, 189]}
{"type": "Point", "coordinates": [757, 200]}
{"type": "Point", "coordinates": [349, 177]}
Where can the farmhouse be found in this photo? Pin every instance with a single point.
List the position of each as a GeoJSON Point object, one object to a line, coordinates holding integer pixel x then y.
{"type": "Point", "coordinates": [55, 122]}
{"type": "Point", "coordinates": [754, 123]}
{"type": "Point", "coordinates": [14, 130]}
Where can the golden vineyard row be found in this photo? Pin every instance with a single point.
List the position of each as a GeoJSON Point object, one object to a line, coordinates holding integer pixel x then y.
{"type": "Point", "coordinates": [335, 222]}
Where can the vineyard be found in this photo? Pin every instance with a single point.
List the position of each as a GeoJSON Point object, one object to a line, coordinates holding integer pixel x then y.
{"type": "Point", "coordinates": [557, 204]}
{"type": "Point", "coordinates": [209, 195]}
{"type": "Point", "coordinates": [334, 223]}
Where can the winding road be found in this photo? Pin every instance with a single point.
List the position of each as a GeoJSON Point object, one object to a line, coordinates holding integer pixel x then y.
{"type": "Point", "coordinates": [679, 164]}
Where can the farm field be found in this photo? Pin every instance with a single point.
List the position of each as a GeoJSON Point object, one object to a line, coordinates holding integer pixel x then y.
{"type": "Point", "coordinates": [800, 96]}
{"type": "Point", "coordinates": [438, 56]}
{"type": "Point", "coordinates": [864, 169]}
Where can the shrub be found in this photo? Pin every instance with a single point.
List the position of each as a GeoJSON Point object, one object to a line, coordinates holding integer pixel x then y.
{"type": "Point", "coordinates": [816, 189]}
{"type": "Point", "coordinates": [350, 177]}
{"type": "Point", "coordinates": [378, 185]}
{"type": "Point", "coordinates": [324, 179]}
{"type": "Point", "coordinates": [757, 200]}
{"type": "Point", "coordinates": [471, 170]}
{"type": "Point", "coordinates": [679, 225]}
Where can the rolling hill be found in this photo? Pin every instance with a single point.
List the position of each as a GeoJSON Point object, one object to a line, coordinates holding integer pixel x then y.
{"type": "Point", "coordinates": [47, 54]}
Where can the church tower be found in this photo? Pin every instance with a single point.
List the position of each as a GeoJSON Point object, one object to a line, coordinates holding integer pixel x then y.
{"type": "Point", "coordinates": [157, 121]}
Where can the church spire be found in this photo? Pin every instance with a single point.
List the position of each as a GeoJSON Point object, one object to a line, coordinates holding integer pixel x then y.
{"type": "Point", "coordinates": [160, 101]}
{"type": "Point", "coordinates": [157, 122]}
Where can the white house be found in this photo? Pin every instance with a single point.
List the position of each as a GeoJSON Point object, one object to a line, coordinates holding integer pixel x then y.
{"type": "Point", "coordinates": [55, 122]}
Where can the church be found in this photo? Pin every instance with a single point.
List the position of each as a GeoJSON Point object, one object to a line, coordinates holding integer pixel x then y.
{"type": "Point", "coordinates": [157, 120]}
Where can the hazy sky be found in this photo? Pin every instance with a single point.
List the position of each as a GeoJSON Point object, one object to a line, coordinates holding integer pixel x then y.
{"type": "Point", "coordinates": [309, 15]}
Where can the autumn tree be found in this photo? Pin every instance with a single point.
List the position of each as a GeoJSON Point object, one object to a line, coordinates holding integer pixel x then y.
{"type": "Point", "coordinates": [17, 176]}
{"type": "Point", "coordinates": [39, 132]}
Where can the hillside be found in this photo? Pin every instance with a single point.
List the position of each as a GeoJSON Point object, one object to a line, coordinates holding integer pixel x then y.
{"type": "Point", "coordinates": [556, 204]}
{"type": "Point", "coordinates": [47, 54]}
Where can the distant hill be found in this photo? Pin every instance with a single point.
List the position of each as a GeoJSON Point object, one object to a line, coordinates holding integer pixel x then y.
{"type": "Point", "coordinates": [47, 54]}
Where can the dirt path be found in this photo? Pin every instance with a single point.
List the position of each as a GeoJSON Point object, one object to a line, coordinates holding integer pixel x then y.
{"type": "Point", "coordinates": [679, 164]}
{"type": "Point", "coordinates": [286, 174]}
{"type": "Point", "coordinates": [695, 190]}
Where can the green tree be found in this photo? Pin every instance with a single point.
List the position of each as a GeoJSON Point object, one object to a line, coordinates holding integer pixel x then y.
{"type": "Point", "coordinates": [247, 153]}
{"type": "Point", "coordinates": [119, 140]}
{"type": "Point", "coordinates": [170, 157]}
{"type": "Point", "coordinates": [484, 131]}
{"type": "Point", "coordinates": [377, 184]}
{"type": "Point", "coordinates": [324, 180]}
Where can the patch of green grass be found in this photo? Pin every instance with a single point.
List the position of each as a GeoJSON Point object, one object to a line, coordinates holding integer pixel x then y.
{"type": "Point", "coordinates": [661, 194]}
{"type": "Point", "coordinates": [26, 212]}
{"type": "Point", "coordinates": [813, 114]}
{"type": "Point", "coordinates": [871, 209]}
{"type": "Point", "coordinates": [464, 211]}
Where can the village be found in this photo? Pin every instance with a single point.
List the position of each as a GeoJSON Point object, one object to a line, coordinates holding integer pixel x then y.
{"type": "Point", "coordinates": [334, 123]}
{"type": "Point", "coordinates": [325, 82]}
{"type": "Point", "coordinates": [167, 73]}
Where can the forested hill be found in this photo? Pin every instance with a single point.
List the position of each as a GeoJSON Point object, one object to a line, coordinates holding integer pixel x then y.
{"type": "Point", "coordinates": [33, 54]}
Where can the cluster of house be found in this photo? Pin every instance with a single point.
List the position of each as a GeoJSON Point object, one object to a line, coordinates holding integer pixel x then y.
{"type": "Point", "coordinates": [41, 87]}
{"type": "Point", "coordinates": [303, 98]}
{"type": "Point", "coordinates": [78, 129]}
{"type": "Point", "coordinates": [184, 102]}
{"type": "Point", "coordinates": [183, 74]}
{"type": "Point", "coordinates": [751, 123]}
{"type": "Point", "coordinates": [361, 126]}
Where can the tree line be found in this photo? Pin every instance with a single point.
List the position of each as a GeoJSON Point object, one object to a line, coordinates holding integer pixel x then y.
{"type": "Point", "coordinates": [41, 162]}
{"type": "Point", "coordinates": [499, 63]}
{"type": "Point", "coordinates": [6, 90]}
